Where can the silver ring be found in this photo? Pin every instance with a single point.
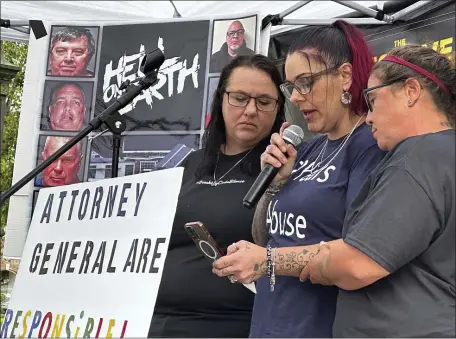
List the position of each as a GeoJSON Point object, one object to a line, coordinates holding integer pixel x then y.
{"type": "Point", "coordinates": [232, 279]}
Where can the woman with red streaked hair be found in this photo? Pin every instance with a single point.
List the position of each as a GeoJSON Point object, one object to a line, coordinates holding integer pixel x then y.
{"type": "Point", "coordinates": [326, 69]}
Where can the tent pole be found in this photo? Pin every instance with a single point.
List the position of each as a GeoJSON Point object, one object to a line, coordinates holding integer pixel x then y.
{"type": "Point", "coordinates": [14, 23]}
{"type": "Point", "coordinates": [276, 19]}
{"type": "Point", "coordinates": [176, 12]}
{"type": "Point", "coordinates": [408, 10]}
{"type": "Point", "coordinates": [21, 29]}
{"type": "Point", "coordinates": [293, 8]}
{"type": "Point", "coordinates": [36, 26]}
{"type": "Point", "coordinates": [318, 22]}
{"type": "Point", "coordinates": [360, 8]}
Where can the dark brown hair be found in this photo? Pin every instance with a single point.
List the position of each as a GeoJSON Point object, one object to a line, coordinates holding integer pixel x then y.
{"type": "Point", "coordinates": [433, 62]}
{"type": "Point", "coordinates": [72, 33]}
{"type": "Point", "coordinates": [215, 134]}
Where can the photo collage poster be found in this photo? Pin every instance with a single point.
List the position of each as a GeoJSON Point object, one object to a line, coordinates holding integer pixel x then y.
{"type": "Point", "coordinates": [85, 68]}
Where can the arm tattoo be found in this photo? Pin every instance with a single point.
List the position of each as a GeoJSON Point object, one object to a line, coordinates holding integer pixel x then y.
{"type": "Point", "coordinates": [260, 231]}
{"type": "Point", "coordinates": [260, 269]}
{"type": "Point", "coordinates": [291, 262]}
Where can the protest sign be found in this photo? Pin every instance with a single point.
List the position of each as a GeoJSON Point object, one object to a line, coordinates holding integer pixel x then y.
{"type": "Point", "coordinates": [93, 258]}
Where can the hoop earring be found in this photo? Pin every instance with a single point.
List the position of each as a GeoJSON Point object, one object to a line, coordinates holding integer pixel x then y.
{"type": "Point", "coordinates": [346, 98]}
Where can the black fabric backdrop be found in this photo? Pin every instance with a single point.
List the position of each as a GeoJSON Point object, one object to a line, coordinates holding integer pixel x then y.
{"type": "Point", "coordinates": [181, 41]}
{"type": "Point", "coordinates": [436, 26]}
{"type": "Point", "coordinates": [433, 26]}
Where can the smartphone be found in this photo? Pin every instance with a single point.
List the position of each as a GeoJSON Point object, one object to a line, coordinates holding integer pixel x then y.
{"type": "Point", "coordinates": [207, 245]}
{"type": "Point", "coordinates": [203, 240]}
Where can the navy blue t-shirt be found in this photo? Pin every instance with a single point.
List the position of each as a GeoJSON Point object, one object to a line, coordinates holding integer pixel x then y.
{"type": "Point", "coordinates": [307, 210]}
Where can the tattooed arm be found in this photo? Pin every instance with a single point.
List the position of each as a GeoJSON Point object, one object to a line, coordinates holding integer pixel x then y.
{"type": "Point", "coordinates": [292, 260]}
{"type": "Point", "coordinates": [334, 263]}
{"type": "Point", "coordinates": [247, 262]}
{"type": "Point", "coordinates": [260, 232]}
{"type": "Point", "coordinates": [289, 261]}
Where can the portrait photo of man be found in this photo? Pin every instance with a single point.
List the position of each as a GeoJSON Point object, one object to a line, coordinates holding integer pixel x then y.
{"type": "Point", "coordinates": [66, 105]}
{"type": "Point", "coordinates": [72, 51]}
{"type": "Point", "coordinates": [230, 39]}
{"type": "Point", "coordinates": [67, 169]}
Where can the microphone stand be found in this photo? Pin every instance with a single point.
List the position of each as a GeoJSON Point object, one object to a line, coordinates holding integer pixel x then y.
{"type": "Point", "coordinates": [110, 116]}
{"type": "Point", "coordinates": [116, 124]}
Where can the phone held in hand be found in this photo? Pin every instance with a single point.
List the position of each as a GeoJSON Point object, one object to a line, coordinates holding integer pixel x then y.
{"type": "Point", "coordinates": [208, 246]}
{"type": "Point", "coordinates": [203, 240]}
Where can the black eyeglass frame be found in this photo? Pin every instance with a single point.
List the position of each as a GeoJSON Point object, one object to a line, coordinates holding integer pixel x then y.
{"type": "Point", "coordinates": [312, 79]}
{"type": "Point", "coordinates": [255, 98]}
{"type": "Point", "coordinates": [370, 89]}
{"type": "Point", "coordinates": [239, 32]}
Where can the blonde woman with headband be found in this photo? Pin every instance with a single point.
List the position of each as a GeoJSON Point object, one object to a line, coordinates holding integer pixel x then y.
{"type": "Point", "coordinates": [395, 263]}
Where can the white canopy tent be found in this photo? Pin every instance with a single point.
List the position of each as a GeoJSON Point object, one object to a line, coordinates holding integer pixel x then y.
{"type": "Point", "coordinates": [73, 11]}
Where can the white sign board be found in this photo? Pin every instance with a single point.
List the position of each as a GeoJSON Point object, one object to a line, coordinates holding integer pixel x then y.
{"type": "Point", "coordinates": [93, 258]}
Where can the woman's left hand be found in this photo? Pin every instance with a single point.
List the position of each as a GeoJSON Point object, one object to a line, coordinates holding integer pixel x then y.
{"type": "Point", "coordinates": [245, 262]}
{"type": "Point", "coordinates": [314, 270]}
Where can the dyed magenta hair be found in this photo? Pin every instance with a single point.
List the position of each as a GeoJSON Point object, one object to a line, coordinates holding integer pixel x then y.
{"type": "Point", "coordinates": [336, 44]}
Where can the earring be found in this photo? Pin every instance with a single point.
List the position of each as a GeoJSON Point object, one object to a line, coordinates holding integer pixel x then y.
{"type": "Point", "coordinates": [410, 102]}
{"type": "Point", "coordinates": [346, 98]}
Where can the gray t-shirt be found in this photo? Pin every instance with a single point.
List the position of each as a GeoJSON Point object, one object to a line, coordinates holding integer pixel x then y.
{"type": "Point", "coordinates": [404, 219]}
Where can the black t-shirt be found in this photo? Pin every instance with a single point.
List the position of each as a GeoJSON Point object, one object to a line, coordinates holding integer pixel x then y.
{"type": "Point", "coordinates": [192, 301]}
{"type": "Point", "coordinates": [404, 219]}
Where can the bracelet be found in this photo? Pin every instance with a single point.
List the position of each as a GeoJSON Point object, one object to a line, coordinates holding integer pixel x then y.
{"type": "Point", "coordinates": [270, 262]}
{"type": "Point", "coordinates": [272, 282]}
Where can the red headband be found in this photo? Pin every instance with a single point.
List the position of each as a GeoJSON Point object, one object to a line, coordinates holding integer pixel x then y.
{"type": "Point", "coordinates": [418, 69]}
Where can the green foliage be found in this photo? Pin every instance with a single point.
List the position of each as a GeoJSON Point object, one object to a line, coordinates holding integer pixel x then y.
{"type": "Point", "coordinates": [16, 54]}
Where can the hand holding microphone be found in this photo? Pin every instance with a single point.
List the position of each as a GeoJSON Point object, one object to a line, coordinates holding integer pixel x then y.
{"type": "Point", "coordinates": [276, 162]}
{"type": "Point", "coordinates": [279, 154]}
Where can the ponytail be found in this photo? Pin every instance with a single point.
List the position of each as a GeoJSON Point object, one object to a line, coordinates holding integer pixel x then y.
{"type": "Point", "coordinates": [362, 63]}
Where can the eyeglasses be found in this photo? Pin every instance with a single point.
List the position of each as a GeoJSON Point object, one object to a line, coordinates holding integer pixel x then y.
{"type": "Point", "coordinates": [370, 89]}
{"type": "Point", "coordinates": [264, 104]}
{"type": "Point", "coordinates": [238, 32]}
{"type": "Point", "coordinates": [304, 84]}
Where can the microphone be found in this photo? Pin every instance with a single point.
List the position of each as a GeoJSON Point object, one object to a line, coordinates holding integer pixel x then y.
{"type": "Point", "coordinates": [292, 135]}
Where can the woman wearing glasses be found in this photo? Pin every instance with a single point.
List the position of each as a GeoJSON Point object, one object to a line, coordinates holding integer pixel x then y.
{"type": "Point", "coordinates": [247, 108]}
{"type": "Point", "coordinates": [396, 262]}
{"type": "Point", "coordinates": [326, 69]}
